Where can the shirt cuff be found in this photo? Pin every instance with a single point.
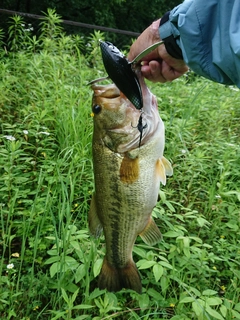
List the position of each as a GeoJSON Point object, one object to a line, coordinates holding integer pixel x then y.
{"type": "Point", "coordinates": [165, 31]}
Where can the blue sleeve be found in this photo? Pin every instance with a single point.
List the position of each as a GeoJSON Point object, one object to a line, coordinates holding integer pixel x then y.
{"type": "Point", "coordinates": [208, 33]}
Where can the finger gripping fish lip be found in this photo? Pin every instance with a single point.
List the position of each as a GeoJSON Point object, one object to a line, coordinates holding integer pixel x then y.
{"type": "Point", "coordinates": [121, 73]}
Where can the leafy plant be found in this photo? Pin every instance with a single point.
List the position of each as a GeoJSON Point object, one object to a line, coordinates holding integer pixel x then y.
{"type": "Point", "coordinates": [48, 260]}
{"type": "Point", "coordinates": [17, 35]}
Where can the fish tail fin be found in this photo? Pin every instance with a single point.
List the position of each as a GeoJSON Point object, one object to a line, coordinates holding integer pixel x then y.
{"type": "Point", "coordinates": [114, 279]}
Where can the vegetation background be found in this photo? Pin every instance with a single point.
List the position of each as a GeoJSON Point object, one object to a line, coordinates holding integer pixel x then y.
{"type": "Point", "coordinates": [134, 15]}
{"type": "Point", "coordinates": [48, 260]}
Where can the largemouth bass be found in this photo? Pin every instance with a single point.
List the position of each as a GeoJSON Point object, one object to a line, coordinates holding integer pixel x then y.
{"type": "Point", "coordinates": [127, 177]}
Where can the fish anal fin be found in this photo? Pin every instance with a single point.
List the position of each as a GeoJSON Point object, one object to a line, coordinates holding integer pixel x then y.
{"type": "Point", "coordinates": [114, 279]}
{"type": "Point", "coordinates": [94, 223]}
{"type": "Point", "coordinates": [129, 170]}
{"type": "Point", "coordinates": [151, 234]}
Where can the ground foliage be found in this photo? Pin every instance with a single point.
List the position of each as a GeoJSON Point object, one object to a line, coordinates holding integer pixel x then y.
{"type": "Point", "coordinates": [48, 260]}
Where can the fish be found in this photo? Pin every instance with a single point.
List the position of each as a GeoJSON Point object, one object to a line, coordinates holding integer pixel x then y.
{"type": "Point", "coordinates": [127, 176]}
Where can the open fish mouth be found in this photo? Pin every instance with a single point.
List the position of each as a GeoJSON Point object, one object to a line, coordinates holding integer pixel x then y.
{"type": "Point", "coordinates": [105, 90]}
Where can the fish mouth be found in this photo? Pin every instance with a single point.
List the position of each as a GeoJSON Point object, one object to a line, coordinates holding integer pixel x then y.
{"type": "Point", "coordinates": [110, 91]}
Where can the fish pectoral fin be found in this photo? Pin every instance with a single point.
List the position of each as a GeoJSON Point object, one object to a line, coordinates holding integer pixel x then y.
{"type": "Point", "coordinates": [115, 279]}
{"type": "Point", "coordinates": [94, 223]}
{"type": "Point", "coordinates": [129, 170]}
{"type": "Point", "coordinates": [163, 169]}
{"type": "Point", "coordinates": [151, 234]}
{"type": "Point", "coordinates": [167, 166]}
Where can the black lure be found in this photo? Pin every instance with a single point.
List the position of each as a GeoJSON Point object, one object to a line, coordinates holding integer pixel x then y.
{"type": "Point", "coordinates": [120, 72]}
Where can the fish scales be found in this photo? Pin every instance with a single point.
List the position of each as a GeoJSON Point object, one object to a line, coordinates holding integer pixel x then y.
{"type": "Point", "coordinates": [127, 179]}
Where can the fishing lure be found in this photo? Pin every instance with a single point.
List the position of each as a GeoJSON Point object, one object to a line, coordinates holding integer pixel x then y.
{"type": "Point", "coordinates": [121, 73]}
{"type": "Point", "coordinates": [120, 70]}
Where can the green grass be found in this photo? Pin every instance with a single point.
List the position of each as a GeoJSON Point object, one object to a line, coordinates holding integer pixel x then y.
{"type": "Point", "coordinates": [48, 261]}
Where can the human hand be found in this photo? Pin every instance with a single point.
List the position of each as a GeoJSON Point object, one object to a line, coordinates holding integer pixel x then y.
{"type": "Point", "coordinates": [157, 66]}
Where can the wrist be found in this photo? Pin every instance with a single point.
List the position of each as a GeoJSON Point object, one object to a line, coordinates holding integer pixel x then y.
{"type": "Point", "coordinates": [170, 40]}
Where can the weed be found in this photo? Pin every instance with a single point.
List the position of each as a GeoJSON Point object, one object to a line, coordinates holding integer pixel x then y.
{"type": "Point", "coordinates": [48, 260]}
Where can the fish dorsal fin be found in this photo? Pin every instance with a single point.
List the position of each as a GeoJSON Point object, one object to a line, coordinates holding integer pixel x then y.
{"type": "Point", "coordinates": [163, 169]}
{"type": "Point", "coordinates": [94, 223]}
{"type": "Point", "coordinates": [151, 234]}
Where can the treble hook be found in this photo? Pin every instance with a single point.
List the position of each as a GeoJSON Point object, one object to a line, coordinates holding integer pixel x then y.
{"type": "Point", "coordinates": [140, 127]}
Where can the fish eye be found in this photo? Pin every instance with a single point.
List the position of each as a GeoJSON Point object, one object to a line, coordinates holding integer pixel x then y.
{"type": "Point", "coordinates": [96, 109]}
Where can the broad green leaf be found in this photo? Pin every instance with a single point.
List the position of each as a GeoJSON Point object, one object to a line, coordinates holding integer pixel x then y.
{"type": "Point", "coordinates": [173, 234]}
{"type": "Point", "coordinates": [237, 306]}
{"type": "Point", "coordinates": [155, 294]}
{"type": "Point", "coordinates": [96, 293]}
{"type": "Point", "coordinates": [55, 268]}
{"type": "Point", "coordinates": [52, 259]}
{"type": "Point", "coordinates": [53, 252]}
{"type": "Point", "coordinates": [209, 292]}
{"type": "Point", "coordinates": [69, 260]}
{"type": "Point", "coordinates": [164, 281]}
{"type": "Point", "coordinates": [71, 287]}
{"type": "Point", "coordinates": [214, 313]}
{"type": "Point", "coordinates": [70, 263]}
{"type": "Point", "coordinates": [157, 271]}
{"type": "Point", "coordinates": [235, 314]}
{"type": "Point", "coordinates": [201, 222]}
{"type": "Point", "coordinates": [165, 264]}
{"type": "Point", "coordinates": [196, 239]}
{"type": "Point", "coordinates": [80, 273]}
{"type": "Point", "coordinates": [197, 308]}
{"type": "Point", "coordinates": [143, 300]}
{"type": "Point", "coordinates": [187, 300]}
{"type": "Point", "coordinates": [145, 264]}
{"type": "Point", "coordinates": [213, 301]}
{"type": "Point", "coordinates": [186, 252]}
{"type": "Point", "coordinates": [186, 242]}
{"type": "Point", "coordinates": [141, 252]}
{"type": "Point", "coordinates": [97, 267]}
{"type": "Point", "coordinates": [196, 292]}
{"type": "Point", "coordinates": [75, 245]}
{"type": "Point", "coordinates": [223, 310]}
{"type": "Point", "coordinates": [162, 258]}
